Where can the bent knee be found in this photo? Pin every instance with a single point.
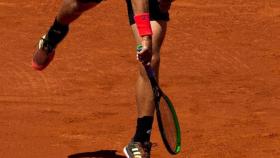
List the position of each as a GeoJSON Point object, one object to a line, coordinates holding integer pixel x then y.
{"type": "Point", "coordinates": [155, 63]}
{"type": "Point", "coordinates": [155, 59]}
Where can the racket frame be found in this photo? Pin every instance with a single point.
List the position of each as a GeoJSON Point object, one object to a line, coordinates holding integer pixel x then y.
{"type": "Point", "coordinates": [158, 93]}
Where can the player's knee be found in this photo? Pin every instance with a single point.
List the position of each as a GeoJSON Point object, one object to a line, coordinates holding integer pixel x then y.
{"type": "Point", "coordinates": [155, 62]}
{"type": "Point", "coordinates": [155, 59]}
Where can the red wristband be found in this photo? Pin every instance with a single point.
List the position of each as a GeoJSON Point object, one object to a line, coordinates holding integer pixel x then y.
{"type": "Point", "coordinates": [143, 24]}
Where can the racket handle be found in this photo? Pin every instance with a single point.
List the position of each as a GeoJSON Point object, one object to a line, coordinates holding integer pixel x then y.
{"type": "Point", "coordinates": [139, 48]}
{"type": "Point", "coordinates": [148, 68]}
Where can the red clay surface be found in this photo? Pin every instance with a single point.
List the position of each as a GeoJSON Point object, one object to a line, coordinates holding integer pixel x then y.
{"type": "Point", "coordinates": [220, 65]}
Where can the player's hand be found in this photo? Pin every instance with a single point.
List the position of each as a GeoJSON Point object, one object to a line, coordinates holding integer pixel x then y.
{"type": "Point", "coordinates": [164, 5]}
{"type": "Point", "coordinates": [145, 55]}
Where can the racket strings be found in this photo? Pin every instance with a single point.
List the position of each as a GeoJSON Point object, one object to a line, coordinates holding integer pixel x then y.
{"type": "Point", "coordinates": [168, 124]}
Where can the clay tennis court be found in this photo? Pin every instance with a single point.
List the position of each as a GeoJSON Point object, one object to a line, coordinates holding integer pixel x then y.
{"type": "Point", "coordinates": [220, 66]}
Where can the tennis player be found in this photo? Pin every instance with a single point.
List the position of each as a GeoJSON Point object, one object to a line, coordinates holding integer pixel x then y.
{"type": "Point", "coordinates": [148, 20]}
{"type": "Point", "coordinates": [140, 146]}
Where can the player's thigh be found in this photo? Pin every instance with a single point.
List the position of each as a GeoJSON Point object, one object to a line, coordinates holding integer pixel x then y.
{"type": "Point", "coordinates": [158, 23]}
{"type": "Point", "coordinates": [80, 5]}
{"type": "Point", "coordinates": [159, 31]}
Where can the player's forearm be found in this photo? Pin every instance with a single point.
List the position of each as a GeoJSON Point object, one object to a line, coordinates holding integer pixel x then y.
{"type": "Point", "coordinates": [142, 17]}
{"type": "Point", "coordinates": [140, 6]}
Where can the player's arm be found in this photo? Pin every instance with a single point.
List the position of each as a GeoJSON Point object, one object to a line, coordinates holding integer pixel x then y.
{"type": "Point", "coordinates": [142, 20]}
{"type": "Point", "coordinates": [164, 5]}
{"type": "Point", "coordinates": [140, 6]}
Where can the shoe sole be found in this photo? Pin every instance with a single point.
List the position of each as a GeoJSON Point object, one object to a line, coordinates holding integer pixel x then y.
{"type": "Point", "coordinates": [125, 152]}
{"type": "Point", "coordinates": [41, 67]}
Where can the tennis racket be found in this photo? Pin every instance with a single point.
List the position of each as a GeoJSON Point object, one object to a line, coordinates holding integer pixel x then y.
{"type": "Point", "coordinates": [166, 116]}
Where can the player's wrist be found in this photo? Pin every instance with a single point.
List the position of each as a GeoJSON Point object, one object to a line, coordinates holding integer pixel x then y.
{"type": "Point", "coordinates": [147, 38]}
{"type": "Point", "coordinates": [143, 24]}
{"type": "Point", "coordinates": [146, 41]}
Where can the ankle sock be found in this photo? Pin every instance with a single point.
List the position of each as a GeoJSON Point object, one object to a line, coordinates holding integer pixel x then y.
{"type": "Point", "coordinates": [56, 33]}
{"type": "Point", "coordinates": [143, 129]}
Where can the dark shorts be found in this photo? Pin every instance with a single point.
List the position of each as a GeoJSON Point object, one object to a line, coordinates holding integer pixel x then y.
{"type": "Point", "coordinates": [155, 13]}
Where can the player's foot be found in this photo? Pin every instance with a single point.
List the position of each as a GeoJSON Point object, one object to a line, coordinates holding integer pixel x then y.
{"type": "Point", "coordinates": [44, 54]}
{"type": "Point", "coordinates": [138, 150]}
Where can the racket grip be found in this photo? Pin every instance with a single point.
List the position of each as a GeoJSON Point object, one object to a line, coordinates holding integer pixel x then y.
{"type": "Point", "coordinates": [148, 68]}
{"type": "Point", "coordinates": [139, 48]}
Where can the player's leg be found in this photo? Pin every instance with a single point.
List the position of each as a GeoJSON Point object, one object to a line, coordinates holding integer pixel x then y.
{"type": "Point", "coordinates": [144, 95]}
{"type": "Point", "coordinates": [69, 11]}
{"type": "Point", "coordinates": [72, 9]}
{"type": "Point", "coordinates": [140, 144]}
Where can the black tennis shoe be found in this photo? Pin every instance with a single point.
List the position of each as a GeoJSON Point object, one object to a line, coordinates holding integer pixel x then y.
{"type": "Point", "coordinates": [44, 54]}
